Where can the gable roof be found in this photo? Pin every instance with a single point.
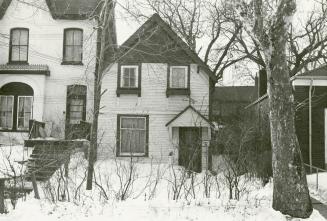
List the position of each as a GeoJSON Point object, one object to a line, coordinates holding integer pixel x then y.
{"type": "Point", "coordinates": [190, 107]}
{"type": "Point", "coordinates": [63, 9]}
{"type": "Point", "coordinates": [154, 20]}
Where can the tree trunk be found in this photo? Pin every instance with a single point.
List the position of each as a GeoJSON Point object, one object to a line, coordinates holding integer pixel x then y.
{"type": "Point", "coordinates": [290, 193]}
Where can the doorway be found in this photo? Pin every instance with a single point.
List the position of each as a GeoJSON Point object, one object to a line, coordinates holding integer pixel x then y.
{"type": "Point", "coordinates": [190, 148]}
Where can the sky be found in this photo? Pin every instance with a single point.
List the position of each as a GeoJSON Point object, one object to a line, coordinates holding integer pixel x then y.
{"type": "Point", "coordinates": [127, 25]}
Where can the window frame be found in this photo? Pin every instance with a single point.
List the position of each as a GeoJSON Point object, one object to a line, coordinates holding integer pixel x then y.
{"type": "Point", "coordinates": [12, 112]}
{"type": "Point", "coordinates": [129, 90]}
{"type": "Point", "coordinates": [11, 46]}
{"type": "Point", "coordinates": [178, 91]}
{"type": "Point", "coordinates": [83, 112]}
{"type": "Point", "coordinates": [72, 93]}
{"type": "Point", "coordinates": [122, 67]}
{"type": "Point", "coordinates": [17, 120]}
{"type": "Point", "coordinates": [64, 62]}
{"type": "Point", "coordinates": [185, 77]}
{"type": "Point", "coordinates": [119, 153]}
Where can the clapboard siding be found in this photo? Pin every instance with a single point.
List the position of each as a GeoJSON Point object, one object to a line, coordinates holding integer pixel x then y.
{"type": "Point", "coordinates": [153, 102]}
{"type": "Point", "coordinates": [319, 103]}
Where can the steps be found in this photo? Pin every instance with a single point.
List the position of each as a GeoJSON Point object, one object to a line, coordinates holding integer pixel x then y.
{"type": "Point", "coordinates": [46, 159]}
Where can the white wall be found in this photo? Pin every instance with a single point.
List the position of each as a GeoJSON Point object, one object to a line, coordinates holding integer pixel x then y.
{"type": "Point", "coordinates": [153, 102]}
{"type": "Point", "coordinates": [46, 47]}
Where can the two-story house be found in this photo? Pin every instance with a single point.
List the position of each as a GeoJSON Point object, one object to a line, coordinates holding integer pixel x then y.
{"type": "Point", "coordinates": [47, 63]}
{"type": "Point", "coordinates": [156, 91]}
{"type": "Point", "coordinates": [156, 99]}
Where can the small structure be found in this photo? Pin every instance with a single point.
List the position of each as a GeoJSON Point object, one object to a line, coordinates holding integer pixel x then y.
{"type": "Point", "coordinates": [310, 94]}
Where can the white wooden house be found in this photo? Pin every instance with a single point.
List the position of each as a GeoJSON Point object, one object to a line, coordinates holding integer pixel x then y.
{"type": "Point", "coordinates": [156, 103]}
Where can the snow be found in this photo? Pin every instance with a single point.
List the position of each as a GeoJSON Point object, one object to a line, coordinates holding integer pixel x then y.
{"type": "Point", "coordinates": [148, 198]}
{"type": "Point", "coordinates": [10, 156]}
{"type": "Point", "coordinates": [321, 193]}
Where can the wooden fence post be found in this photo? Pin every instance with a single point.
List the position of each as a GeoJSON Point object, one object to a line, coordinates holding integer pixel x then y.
{"type": "Point", "coordinates": [36, 191]}
{"type": "Point", "coordinates": [2, 196]}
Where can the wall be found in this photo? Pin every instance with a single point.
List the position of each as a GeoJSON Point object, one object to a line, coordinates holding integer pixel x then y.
{"type": "Point", "coordinates": [153, 102]}
{"type": "Point", "coordinates": [46, 47]}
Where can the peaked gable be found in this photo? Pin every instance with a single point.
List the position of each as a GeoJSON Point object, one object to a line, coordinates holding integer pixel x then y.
{"type": "Point", "coordinates": [156, 42]}
{"type": "Point", "coordinates": [63, 9]}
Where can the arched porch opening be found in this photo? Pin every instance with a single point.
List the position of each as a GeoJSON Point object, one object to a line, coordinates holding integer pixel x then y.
{"type": "Point", "coordinates": [16, 106]}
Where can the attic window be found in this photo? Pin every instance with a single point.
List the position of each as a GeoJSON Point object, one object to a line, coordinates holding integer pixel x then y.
{"type": "Point", "coordinates": [73, 46]}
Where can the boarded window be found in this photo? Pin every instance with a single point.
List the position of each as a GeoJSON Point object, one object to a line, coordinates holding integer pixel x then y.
{"type": "Point", "coordinates": [73, 45]}
{"type": "Point", "coordinates": [19, 45]}
{"type": "Point", "coordinates": [133, 135]}
{"type": "Point", "coordinates": [6, 111]}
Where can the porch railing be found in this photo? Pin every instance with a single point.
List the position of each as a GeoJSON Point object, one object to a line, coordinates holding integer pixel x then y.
{"type": "Point", "coordinates": [315, 170]}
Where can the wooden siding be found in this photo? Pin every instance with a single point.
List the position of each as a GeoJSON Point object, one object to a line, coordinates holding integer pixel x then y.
{"type": "Point", "coordinates": [153, 102]}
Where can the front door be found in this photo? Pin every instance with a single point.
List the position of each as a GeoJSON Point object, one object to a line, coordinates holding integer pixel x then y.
{"type": "Point", "coordinates": [190, 148]}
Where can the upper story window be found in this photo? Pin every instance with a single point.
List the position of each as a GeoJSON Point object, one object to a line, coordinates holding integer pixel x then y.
{"type": "Point", "coordinates": [129, 76]}
{"type": "Point", "coordinates": [178, 82]}
{"type": "Point", "coordinates": [73, 46]}
{"type": "Point", "coordinates": [178, 76]}
{"type": "Point", "coordinates": [129, 80]}
{"type": "Point", "coordinates": [18, 45]}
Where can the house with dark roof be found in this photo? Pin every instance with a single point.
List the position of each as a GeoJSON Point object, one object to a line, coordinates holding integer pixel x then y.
{"type": "Point", "coordinates": [47, 64]}
{"type": "Point", "coordinates": [156, 91]}
{"type": "Point", "coordinates": [310, 96]}
{"type": "Point", "coordinates": [157, 101]}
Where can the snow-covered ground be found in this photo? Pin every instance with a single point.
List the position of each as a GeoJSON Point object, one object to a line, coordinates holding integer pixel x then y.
{"type": "Point", "coordinates": [148, 190]}
{"type": "Point", "coordinates": [321, 193]}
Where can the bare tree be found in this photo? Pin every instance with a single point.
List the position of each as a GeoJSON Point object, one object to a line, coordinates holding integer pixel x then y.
{"type": "Point", "coordinates": [206, 26]}
{"type": "Point", "coordinates": [268, 24]}
{"type": "Point", "coordinates": [306, 41]}
{"type": "Point", "coordinates": [105, 46]}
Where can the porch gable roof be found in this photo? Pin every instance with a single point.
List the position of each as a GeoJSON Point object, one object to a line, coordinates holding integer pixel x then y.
{"type": "Point", "coordinates": [189, 117]}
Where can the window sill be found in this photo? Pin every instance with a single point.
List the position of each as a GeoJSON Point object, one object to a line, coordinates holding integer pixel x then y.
{"type": "Point", "coordinates": [178, 91]}
{"type": "Point", "coordinates": [17, 63]}
{"type": "Point", "coordinates": [72, 63]}
{"type": "Point", "coordinates": [128, 91]}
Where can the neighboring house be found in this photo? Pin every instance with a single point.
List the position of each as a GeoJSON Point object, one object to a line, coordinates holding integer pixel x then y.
{"type": "Point", "coordinates": [156, 91]}
{"type": "Point", "coordinates": [310, 94]}
{"type": "Point", "coordinates": [157, 101]}
{"type": "Point", "coordinates": [228, 102]}
{"type": "Point", "coordinates": [47, 63]}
